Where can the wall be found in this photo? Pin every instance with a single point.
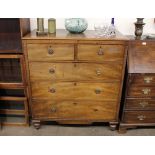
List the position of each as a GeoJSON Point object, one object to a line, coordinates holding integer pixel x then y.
{"type": "Point", "coordinates": [124, 25]}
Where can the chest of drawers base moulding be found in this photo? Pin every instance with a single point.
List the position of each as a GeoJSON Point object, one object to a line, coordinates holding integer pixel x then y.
{"type": "Point", "coordinates": [62, 90]}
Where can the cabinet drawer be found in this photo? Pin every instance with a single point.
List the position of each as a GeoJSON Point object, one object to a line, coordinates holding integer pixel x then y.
{"type": "Point", "coordinates": [75, 90]}
{"type": "Point", "coordinates": [80, 110]}
{"type": "Point", "coordinates": [100, 52]}
{"type": "Point", "coordinates": [143, 79]}
{"type": "Point", "coordinates": [140, 104]}
{"type": "Point", "coordinates": [141, 91]}
{"type": "Point", "coordinates": [47, 52]}
{"type": "Point", "coordinates": [139, 117]}
{"type": "Point", "coordinates": [75, 71]}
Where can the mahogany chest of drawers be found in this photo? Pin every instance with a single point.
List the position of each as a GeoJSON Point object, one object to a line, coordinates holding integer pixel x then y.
{"type": "Point", "coordinates": [75, 78]}
{"type": "Point", "coordinates": [139, 103]}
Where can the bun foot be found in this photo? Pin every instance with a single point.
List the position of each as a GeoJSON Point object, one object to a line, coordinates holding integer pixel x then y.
{"type": "Point", "coordinates": [113, 126]}
{"type": "Point", "coordinates": [36, 124]}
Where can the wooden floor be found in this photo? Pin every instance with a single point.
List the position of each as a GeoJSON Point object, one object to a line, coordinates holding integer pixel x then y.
{"type": "Point", "coordinates": [59, 130]}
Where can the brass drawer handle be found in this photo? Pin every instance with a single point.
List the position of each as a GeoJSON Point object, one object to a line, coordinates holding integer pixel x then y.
{"type": "Point", "coordinates": [52, 90]}
{"type": "Point", "coordinates": [144, 104]}
{"type": "Point", "coordinates": [51, 71]}
{"type": "Point", "coordinates": [146, 91]}
{"type": "Point", "coordinates": [141, 117]}
{"type": "Point", "coordinates": [98, 72]}
{"type": "Point", "coordinates": [53, 109]}
{"type": "Point", "coordinates": [101, 52]}
{"type": "Point", "coordinates": [148, 79]}
{"type": "Point", "coordinates": [97, 91]}
{"type": "Point", "coordinates": [50, 50]}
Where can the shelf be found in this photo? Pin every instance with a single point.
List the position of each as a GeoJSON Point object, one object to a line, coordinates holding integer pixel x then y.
{"type": "Point", "coordinates": [12, 112]}
{"type": "Point", "coordinates": [10, 98]}
{"type": "Point", "coordinates": [10, 43]}
{"type": "Point", "coordinates": [12, 86]}
{"type": "Point", "coordinates": [11, 120]}
{"type": "Point", "coordinates": [10, 69]}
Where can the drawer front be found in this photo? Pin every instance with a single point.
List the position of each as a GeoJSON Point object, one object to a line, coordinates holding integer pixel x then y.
{"type": "Point", "coordinates": [143, 79]}
{"type": "Point", "coordinates": [140, 104]}
{"type": "Point", "coordinates": [75, 90]}
{"type": "Point", "coordinates": [100, 52]}
{"type": "Point", "coordinates": [75, 71]}
{"type": "Point", "coordinates": [141, 91]}
{"type": "Point", "coordinates": [47, 52]}
{"type": "Point", "coordinates": [139, 117]}
{"type": "Point", "coordinates": [80, 110]}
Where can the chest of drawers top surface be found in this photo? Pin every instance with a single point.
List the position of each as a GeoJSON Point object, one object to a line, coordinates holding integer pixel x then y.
{"type": "Point", "coordinates": [63, 34]}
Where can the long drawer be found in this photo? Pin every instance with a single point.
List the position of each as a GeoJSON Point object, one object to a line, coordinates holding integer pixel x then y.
{"type": "Point", "coordinates": [80, 110]}
{"type": "Point", "coordinates": [100, 52]}
{"type": "Point", "coordinates": [140, 104]}
{"type": "Point", "coordinates": [75, 90]}
{"type": "Point", "coordinates": [48, 52]}
{"type": "Point", "coordinates": [75, 71]}
{"type": "Point", "coordinates": [139, 117]}
{"type": "Point", "coordinates": [140, 91]}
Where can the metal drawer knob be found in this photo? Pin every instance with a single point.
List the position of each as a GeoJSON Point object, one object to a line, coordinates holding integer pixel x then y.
{"type": "Point", "coordinates": [148, 79]}
{"type": "Point", "coordinates": [141, 117]}
{"type": "Point", "coordinates": [101, 52]}
{"type": "Point", "coordinates": [50, 50]}
{"type": "Point", "coordinates": [52, 90]}
{"type": "Point", "coordinates": [146, 91]}
{"type": "Point", "coordinates": [51, 71]}
{"type": "Point", "coordinates": [53, 109]}
{"type": "Point", "coordinates": [143, 104]}
{"type": "Point", "coordinates": [97, 91]}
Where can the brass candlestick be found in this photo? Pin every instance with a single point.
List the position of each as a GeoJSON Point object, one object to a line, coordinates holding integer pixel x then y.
{"type": "Point", "coordinates": [40, 27]}
{"type": "Point", "coordinates": [139, 28]}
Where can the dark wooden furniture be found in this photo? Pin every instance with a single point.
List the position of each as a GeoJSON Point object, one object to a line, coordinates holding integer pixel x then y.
{"type": "Point", "coordinates": [13, 92]}
{"type": "Point", "coordinates": [139, 103]}
{"type": "Point", "coordinates": [75, 78]}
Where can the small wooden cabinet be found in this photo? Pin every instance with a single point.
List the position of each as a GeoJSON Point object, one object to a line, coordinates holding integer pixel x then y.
{"type": "Point", "coordinates": [13, 89]}
{"type": "Point", "coordinates": [75, 78]}
{"type": "Point", "coordinates": [139, 103]}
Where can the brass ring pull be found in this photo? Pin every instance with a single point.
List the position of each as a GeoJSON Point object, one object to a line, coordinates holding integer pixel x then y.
{"type": "Point", "coordinates": [52, 90]}
{"type": "Point", "coordinates": [50, 50]}
{"type": "Point", "coordinates": [52, 71]}
{"type": "Point", "coordinates": [148, 79]}
{"type": "Point", "coordinates": [100, 52]}
{"type": "Point", "coordinates": [97, 91]}
{"type": "Point", "coordinates": [146, 91]}
{"type": "Point", "coordinates": [141, 117]}
{"type": "Point", "coordinates": [53, 109]}
{"type": "Point", "coordinates": [143, 104]}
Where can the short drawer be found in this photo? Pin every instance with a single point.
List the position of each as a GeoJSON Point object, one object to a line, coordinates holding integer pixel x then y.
{"type": "Point", "coordinates": [140, 104]}
{"type": "Point", "coordinates": [139, 117]}
{"type": "Point", "coordinates": [143, 79]}
{"type": "Point", "coordinates": [49, 52]}
{"type": "Point", "coordinates": [141, 91]}
{"type": "Point", "coordinates": [101, 52]}
{"type": "Point", "coordinates": [75, 71]}
{"type": "Point", "coordinates": [79, 110]}
{"type": "Point", "coordinates": [75, 90]}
